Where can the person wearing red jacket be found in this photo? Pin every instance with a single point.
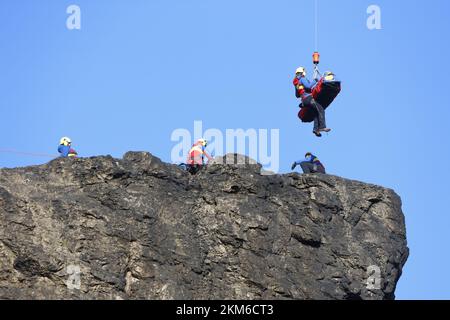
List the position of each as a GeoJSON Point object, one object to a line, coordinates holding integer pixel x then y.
{"type": "Point", "coordinates": [196, 156]}
{"type": "Point", "coordinates": [303, 89]}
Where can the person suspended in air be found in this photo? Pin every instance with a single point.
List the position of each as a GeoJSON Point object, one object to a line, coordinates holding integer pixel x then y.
{"type": "Point", "coordinates": [65, 148]}
{"type": "Point", "coordinates": [196, 156]}
{"type": "Point", "coordinates": [311, 164]}
{"type": "Point", "coordinates": [303, 90]}
{"type": "Point", "coordinates": [316, 95]}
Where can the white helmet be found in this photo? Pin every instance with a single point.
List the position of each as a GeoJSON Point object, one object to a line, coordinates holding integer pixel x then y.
{"type": "Point", "coordinates": [301, 70]}
{"type": "Point", "coordinates": [329, 76]}
{"type": "Point", "coordinates": [202, 141]}
{"type": "Point", "coordinates": [65, 141]}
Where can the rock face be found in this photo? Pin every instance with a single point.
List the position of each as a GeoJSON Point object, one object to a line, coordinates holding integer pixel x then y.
{"type": "Point", "coordinates": [137, 228]}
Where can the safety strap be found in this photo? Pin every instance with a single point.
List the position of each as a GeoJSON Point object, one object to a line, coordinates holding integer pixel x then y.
{"type": "Point", "coordinates": [316, 72]}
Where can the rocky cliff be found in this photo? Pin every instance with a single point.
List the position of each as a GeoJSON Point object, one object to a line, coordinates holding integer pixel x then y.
{"type": "Point", "coordinates": [138, 228]}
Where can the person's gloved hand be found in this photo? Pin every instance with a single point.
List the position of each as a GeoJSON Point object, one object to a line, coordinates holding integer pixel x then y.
{"type": "Point", "coordinates": [293, 166]}
{"type": "Point", "coordinates": [296, 81]}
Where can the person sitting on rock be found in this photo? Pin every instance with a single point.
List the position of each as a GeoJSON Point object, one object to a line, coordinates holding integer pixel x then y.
{"type": "Point", "coordinates": [65, 148]}
{"type": "Point", "coordinates": [196, 157]}
{"type": "Point", "coordinates": [310, 164]}
{"type": "Point", "coordinates": [303, 89]}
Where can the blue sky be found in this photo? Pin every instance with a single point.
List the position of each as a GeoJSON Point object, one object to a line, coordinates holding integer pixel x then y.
{"type": "Point", "coordinates": [137, 70]}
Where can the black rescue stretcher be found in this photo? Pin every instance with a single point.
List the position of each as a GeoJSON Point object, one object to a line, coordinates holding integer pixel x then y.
{"type": "Point", "coordinates": [324, 93]}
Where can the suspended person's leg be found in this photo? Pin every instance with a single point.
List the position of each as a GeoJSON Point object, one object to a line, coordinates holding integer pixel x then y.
{"type": "Point", "coordinates": [320, 115]}
{"type": "Point", "coordinates": [307, 167]}
{"type": "Point", "coordinates": [321, 122]}
{"type": "Point", "coordinates": [308, 102]}
{"type": "Point", "coordinates": [316, 129]}
{"type": "Point", "coordinates": [318, 119]}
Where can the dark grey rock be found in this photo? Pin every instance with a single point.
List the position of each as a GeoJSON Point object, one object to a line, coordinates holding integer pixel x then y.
{"type": "Point", "coordinates": [138, 228]}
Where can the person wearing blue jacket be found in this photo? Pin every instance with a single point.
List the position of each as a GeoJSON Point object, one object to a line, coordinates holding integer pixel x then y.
{"type": "Point", "coordinates": [65, 149]}
{"type": "Point", "coordinates": [310, 164]}
{"type": "Point", "coordinates": [303, 90]}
